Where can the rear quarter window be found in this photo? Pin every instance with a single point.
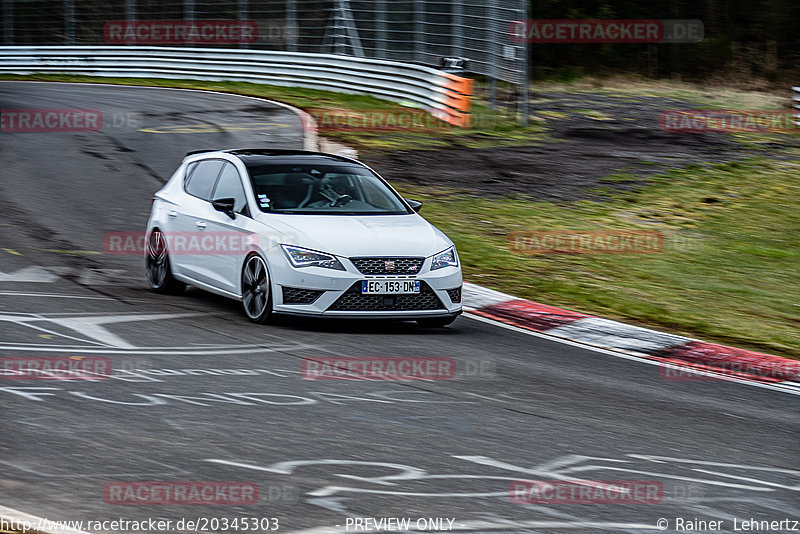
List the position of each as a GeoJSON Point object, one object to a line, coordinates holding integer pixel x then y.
{"type": "Point", "coordinates": [201, 178]}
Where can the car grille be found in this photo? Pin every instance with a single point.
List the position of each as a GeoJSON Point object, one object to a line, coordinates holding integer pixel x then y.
{"type": "Point", "coordinates": [296, 295]}
{"type": "Point", "coordinates": [384, 265]}
{"type": "Point", "coordinates": [455, 295]}
{"type": "Point", "coordinates": [353, 300]}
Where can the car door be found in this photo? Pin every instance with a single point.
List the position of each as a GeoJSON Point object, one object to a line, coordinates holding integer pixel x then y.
{"type": "Point", "coordinates": [231, 235]}
{"type": "Point", "coordinates": [188, 221]}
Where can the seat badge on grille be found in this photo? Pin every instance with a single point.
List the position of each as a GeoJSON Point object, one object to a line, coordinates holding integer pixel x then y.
{"type": "Point", "coordinates": [388, 265]}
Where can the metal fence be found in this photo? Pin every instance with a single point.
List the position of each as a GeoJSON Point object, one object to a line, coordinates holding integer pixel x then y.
{"type": "Point", "coordinates": [424, 32]}
{"type": "Point", "coordinates": [444, 95]}
{"type": "Point", "coordinates": [796, 104]}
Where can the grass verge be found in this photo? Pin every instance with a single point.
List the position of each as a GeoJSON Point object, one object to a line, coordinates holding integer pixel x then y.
{"type": "Point", "coordinates": [728, 270]}
{"type": "Point", "coordinates": [704, 95]}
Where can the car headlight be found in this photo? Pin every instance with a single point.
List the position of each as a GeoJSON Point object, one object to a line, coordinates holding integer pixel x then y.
{"type": "Point", "coordinates": [302, 257]}
{"type": "Point", "coordinates": [447, 258]}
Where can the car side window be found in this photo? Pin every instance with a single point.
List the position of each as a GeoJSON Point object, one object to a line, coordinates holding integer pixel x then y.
{"type": "Point", "coordinates": [189, 170]}
{"type": "Point", "coordinates": [202, 178]}
{"type": "Point", "coordinates": [229, 185]}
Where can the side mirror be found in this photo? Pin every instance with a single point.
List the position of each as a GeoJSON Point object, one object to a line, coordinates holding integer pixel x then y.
{"type": "Point", "coordinates": [416, 205]}
{"type": "Point", "coordinates": [225, 205]}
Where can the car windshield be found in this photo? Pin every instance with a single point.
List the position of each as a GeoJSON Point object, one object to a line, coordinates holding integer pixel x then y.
{"type": "Point", "coordinates": [322, 190]}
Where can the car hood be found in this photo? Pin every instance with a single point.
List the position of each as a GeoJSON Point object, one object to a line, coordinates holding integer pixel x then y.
{"type": "Point", "coordinates": [360, 235]}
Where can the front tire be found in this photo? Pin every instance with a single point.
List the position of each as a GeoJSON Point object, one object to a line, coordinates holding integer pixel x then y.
{"type": "Point", "coordinates": [157, 266]}
{"type": "Point", "coordinates": [256, 294]}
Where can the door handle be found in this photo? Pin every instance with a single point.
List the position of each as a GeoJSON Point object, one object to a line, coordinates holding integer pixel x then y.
{"type": "Point", "coordinates": [172, 214]}
{"type": "Point", "coordinates": [200, 224]}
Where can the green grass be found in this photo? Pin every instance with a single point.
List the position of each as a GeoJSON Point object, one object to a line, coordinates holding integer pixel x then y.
{"type": "Point", "coordinates": [637, 89]}
{"type": "Point", "coordinates": [728, 271]}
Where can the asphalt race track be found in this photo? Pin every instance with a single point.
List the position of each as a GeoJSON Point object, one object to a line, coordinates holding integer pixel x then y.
{"type": "Point", "coordinates": [200, 394]}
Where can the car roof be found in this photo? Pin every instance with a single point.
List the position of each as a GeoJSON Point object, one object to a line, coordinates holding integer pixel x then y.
{"type": "Point", "coordinates": [257, 156]}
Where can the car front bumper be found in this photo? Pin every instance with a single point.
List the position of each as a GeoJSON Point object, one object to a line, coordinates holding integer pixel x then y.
{"type": "Point", "coordinates": [340, 294]}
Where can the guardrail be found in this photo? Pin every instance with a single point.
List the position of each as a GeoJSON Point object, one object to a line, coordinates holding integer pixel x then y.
{"type": "Point", "coordinates": [444, 95]}
{"type": "Point", "coordinates": [796, 104]}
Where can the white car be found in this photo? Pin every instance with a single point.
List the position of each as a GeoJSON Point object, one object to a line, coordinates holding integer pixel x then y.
{"type": "Point", "coordinates": [300, 233]}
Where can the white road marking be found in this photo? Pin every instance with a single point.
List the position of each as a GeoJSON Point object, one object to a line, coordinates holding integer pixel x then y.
{"type": "Point", "coordinates": [479, 296]}
{"type": "Point", "coordinates": [783, 387]}
{"type": "Point", "coordinates": [157, 351]}
{"type": "Point", "coordinates": [91, 326]}
{"type": "Point", "coordinates": [607, 333]}
{"type": "Point", "coordinates": [51, 295]}
{"type": "Point", "coordinates": [288, 467]}
{"type": "Point", "coordinates": [748, 479]}
{"type": "Point", "coordinates": [24, 320]}
{"type": "Point", "coordinates": [558, 468]}
{"type": "Point", "coordinates": [664, 459]}
{"type": "Point", "coordinates": [29, 274]}
{"type": "Point", "coordinates": [561, 468]}
{"type": "Point", "coordinates": [330, 503]}
{"type": "Point", "coordinates": [674, 477]}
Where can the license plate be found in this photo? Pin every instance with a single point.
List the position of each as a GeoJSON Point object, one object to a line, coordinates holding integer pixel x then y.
{"type": "Point", "coordinates": [389, 287]}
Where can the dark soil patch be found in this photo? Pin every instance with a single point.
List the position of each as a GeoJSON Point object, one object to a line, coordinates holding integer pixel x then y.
{"type": "Point", "coordinates": [600, 136]}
